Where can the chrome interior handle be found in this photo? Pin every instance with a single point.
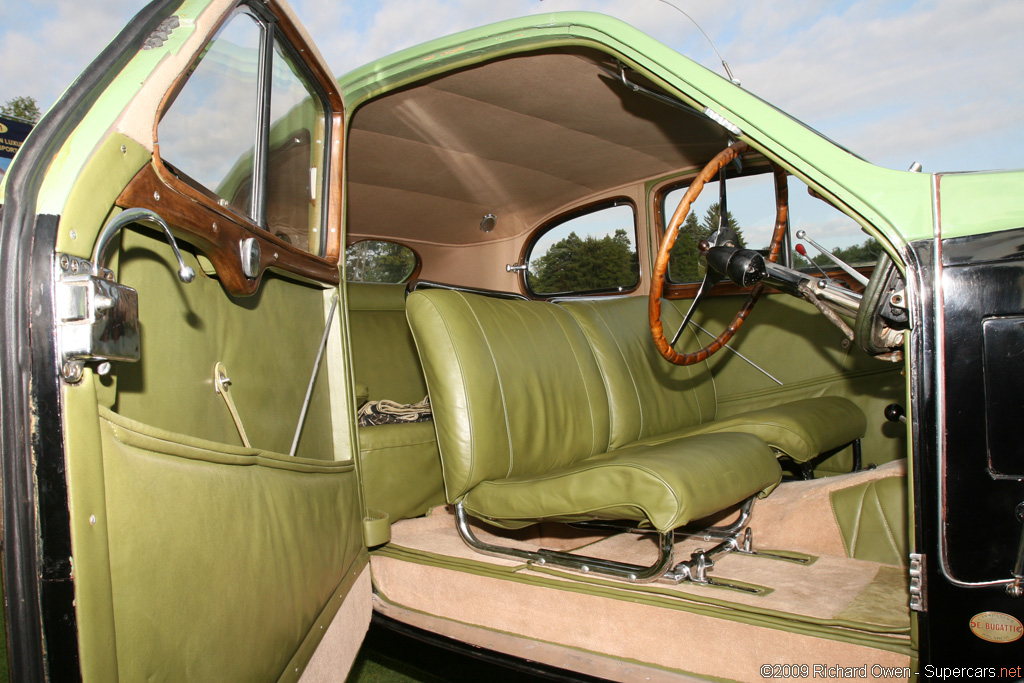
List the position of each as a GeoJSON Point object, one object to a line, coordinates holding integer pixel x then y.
{"type": "Point", "coordinates": [145, 216]}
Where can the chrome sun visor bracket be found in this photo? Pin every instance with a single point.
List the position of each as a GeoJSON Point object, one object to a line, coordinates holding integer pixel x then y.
{"type": "Point", "coordinates": [96, 318]}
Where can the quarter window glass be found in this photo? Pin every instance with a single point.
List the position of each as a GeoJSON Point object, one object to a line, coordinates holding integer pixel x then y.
{"type": "Point", "coordinates": [589, 252]}
{"type": "Point", "coordinates": [296, 157]}
{"type": "Point", "coordinates": [379, 261]}
{"type": "Point", "coordinates": [208, 134]}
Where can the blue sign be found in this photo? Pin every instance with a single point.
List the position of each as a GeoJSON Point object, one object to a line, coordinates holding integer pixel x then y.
{"type": "Point", "coordinates": [12, 134]}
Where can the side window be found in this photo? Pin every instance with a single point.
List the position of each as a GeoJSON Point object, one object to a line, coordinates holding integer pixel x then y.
{"type": "Point", "coordinates": [263, 157]}
{"type": "Point", "coordinates": [209, 132]}
{"type": "Point", "coordinates": [586, 252]}
{"type": "Point", "coordinates": [379, 261]}
{"type": "Point", "coordinates": [751, 212]}
{"type": "Point", "coordinates": [829, 227]}
{"type": "Point", "coordinates": [295, 160]}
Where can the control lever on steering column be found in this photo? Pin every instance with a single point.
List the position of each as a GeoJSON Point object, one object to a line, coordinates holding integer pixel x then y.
{"type": "Point", "coordinates": [802, 235]}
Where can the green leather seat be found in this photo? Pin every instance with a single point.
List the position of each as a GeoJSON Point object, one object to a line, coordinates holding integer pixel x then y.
{"type": "Point", "coordinates": [399, 463]}
{"type": "Point", "coordinates": [653, 400]}
{"type": "Point", "coordinates": [523, 424]}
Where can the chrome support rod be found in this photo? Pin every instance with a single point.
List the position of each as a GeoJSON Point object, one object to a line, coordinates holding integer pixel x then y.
{"type": "Point", "coordinates": [312, 378]}
{"type": "Point", "coordinates": [582, 563]}
{"type": "Point", "coordinates": [750, 362]}
{"type": "Point", "coordinates": [747, 548]}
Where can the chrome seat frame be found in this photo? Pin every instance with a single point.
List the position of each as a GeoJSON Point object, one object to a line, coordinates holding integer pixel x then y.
{"type": "Point", "coordinates": [694, 570]}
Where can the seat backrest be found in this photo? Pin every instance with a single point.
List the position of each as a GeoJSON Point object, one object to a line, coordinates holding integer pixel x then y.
{"type": "Point", "coordinates": [514, 386]}
{"type": "Point", "coordinates": [648, 395]}
{"type": "Point", "coordinates": [383, 352]}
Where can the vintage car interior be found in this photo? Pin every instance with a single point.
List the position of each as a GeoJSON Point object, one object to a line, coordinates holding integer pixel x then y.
{"type": "Point", "coordinates": [558, 407]}
{"type": "Point", "coordinates": [395, 351]}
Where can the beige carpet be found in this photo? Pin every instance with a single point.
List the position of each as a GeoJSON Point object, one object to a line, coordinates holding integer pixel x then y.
{"type": "Point", "coordinates": [832, 610]}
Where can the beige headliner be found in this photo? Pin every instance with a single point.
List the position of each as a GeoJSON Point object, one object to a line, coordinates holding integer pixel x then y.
{"type": "Point", "coordinates": [520, 137]}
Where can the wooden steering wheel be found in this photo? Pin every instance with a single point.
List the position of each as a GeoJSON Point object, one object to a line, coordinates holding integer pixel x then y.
{"type": "Point", "coordinates": [669, 239]}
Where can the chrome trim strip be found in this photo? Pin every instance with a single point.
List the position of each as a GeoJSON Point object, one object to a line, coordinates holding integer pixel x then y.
{"type": "Point", "coordinates": [940, 397]}
{"type": "Point", "coordinates": [312, 377]}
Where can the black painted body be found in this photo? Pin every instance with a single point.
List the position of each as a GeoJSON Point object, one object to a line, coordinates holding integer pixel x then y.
{"type": "Point", "coordinates": [971, 491]}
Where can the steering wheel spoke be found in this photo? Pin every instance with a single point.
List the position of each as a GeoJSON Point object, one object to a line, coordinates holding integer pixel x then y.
{"type": "Point", "coordinates": [719, 238]}
{"type": "Point", "coordinates": [710, 280]}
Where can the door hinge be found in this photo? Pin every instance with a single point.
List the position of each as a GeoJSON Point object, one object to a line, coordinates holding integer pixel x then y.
{"type": "Point", "coordinates": [917, 591]}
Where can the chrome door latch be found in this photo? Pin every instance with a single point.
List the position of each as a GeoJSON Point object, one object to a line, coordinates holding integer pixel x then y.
{"type": "Point", "coordinates": [96, 318]}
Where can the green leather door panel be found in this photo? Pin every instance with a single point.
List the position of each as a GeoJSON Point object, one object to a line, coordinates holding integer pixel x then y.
{"type": "Point", "coordinates": [197, 558]}
{"type": "Point", "coordinates": [221, 558]}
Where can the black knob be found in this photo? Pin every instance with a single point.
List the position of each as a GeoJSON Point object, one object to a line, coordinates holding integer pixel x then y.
{"type": "Point", "coordinates": [894, 413]}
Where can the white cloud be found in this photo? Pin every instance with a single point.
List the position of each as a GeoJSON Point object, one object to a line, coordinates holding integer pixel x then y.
{"type": "Point", "coordinates": [893, 81]}
{"type": "Point", "coordinates": [46, 45]}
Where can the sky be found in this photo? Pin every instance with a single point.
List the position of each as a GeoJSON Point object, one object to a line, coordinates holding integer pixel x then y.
{"type": "Point", "coordinates": [934, 81]}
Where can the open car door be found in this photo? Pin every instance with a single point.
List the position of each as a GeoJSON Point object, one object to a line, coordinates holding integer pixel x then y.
{"type": "Point", "coordinates": [180, 497]}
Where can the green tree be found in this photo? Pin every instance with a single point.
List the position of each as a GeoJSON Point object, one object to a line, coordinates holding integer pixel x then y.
{"type": "Point", "coordinates": [857, 254]}
{"type": "Point", "coordinates": [576, 264]}
{"type": "Point", "coordinates": [24, 108]}
{"type": "Point", "coordinates": [379, 261]}
{"type": "Point", "coordinates": [712, 218]}
{"type": "Point", "coordinates": [685, 262]}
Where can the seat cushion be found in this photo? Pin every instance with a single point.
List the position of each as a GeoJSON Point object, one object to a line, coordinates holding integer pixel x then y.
{"type": "Point", "coordinates": [800, 429]}
{"type": "Point", "coordinates": [667, 484]}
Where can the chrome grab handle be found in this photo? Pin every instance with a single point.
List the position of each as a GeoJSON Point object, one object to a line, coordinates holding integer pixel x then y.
{"type": "Point", "coordinates": [145, 216]}
{"type": "Point", "coordinates": [96, 318]}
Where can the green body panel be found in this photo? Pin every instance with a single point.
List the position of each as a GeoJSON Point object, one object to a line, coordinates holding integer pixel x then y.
{"type": "Point", "coordinates": [976, 203]}
{"type": "Point", "coordinates": [267, 343]}
{"type": "Point", "coordinates": [872, 519]}
{"type": "Point", "coordinates": [215, 549]}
